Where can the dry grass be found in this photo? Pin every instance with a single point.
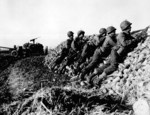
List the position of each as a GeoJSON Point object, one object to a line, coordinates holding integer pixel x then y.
{"type": "Point", "coordinates": [62, 101]}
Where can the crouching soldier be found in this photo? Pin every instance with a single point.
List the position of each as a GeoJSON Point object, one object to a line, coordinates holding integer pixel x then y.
{"type": "Point", "coordinates": [65, 50]}
{"type": "Point", "coordinates": [101, 53]}
{"type": "Point", "coordinates": [75, 49]}
{"type": "Point", "coordinates": [89, 48]}
{"type": "Point", "coordinates": [108, 68]}
{"type": "Point", "coordinates": [125, 43]}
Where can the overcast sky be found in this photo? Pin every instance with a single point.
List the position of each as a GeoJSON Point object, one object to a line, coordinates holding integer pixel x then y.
{"type": "Point", "coordinates": [50, 20]}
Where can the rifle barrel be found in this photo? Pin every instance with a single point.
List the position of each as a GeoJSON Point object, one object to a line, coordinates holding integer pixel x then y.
{"type": "Point", "coordinates": [136, 31]}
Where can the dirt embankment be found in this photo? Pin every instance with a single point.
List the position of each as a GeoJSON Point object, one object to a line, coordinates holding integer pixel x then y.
{"type": "Point", "coordinates": [25, 77]}
{"type": "Point", "coordinates": [28, 83]}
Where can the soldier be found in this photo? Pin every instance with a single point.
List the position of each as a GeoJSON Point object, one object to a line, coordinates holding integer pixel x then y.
{"type": "Point", "coordinates": [75, 49]}
{"type": "Point", "coordinates": [78, 43]}
{"type": "Point", "coordinates": [106, 69]}
{"type": "Point", "coordinates": [101, 53]}
{"type": "Point", "coordinates": [65, 50]}
{"type": "Point", "coordinates": [89, 48]}
{"type": "Point", "coordinates": [125, 43]}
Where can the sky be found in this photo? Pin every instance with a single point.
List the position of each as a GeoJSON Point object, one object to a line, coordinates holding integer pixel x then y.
{"type": "Point", "coordinates": [50, 20]}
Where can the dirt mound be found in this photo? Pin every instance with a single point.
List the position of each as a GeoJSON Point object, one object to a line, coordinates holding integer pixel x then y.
{"type": "Point", "coordinates": [25, 77]}
{"type": "Point", "coordinates": [29, 75]}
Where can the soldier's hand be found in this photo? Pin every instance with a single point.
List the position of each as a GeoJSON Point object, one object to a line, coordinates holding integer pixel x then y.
{"type": "Point", "coordinates": [144, 32]}
{"type": "Point", "coordinates": [143, 35]}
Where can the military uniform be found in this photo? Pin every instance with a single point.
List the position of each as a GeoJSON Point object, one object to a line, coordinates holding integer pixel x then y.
{"type": "Point", "coordinates": [108, 68]}
{"type": "Point", "coordinates": [125, 43]}
{"type": "Point", "coordinates": [89, 48]}
{"type": "Point", "coordinates": [100, 53]}
{"type": "Point", "coordinates": [74, 51]}
{"type": "Point", "coordinates": [93, 42]}
{"type": "Point", "coordinates": [65, 50]}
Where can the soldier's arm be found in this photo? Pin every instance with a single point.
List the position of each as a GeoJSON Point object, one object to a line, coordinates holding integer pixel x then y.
{"type": "Point", "coordinates": [105, 45]}
{"type": "Point", "coordinates": [73, 46]}
{"type": "Point", "coordinates": [123, 41]}
{"type": "Point", "coordinates": [67, 43]}
{"type": "Point", "coordinates": [96, 40]}
{"type": "Point", "coordinates": [101, 41]}
{"type": "Point", "coordinates": [85, 50]}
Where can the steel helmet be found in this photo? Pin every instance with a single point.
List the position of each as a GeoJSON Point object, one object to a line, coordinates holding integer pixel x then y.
{"type": "Point", "coordinates": [70, 33]}
{"type": "Point", "coordinates": [125, 24]}
{"type": "Point", "coordinates": [110, 29]}
{"type": "Point", "coordinates": [102, 31]}
{"type": "Point", "coordinates": [80, 32]}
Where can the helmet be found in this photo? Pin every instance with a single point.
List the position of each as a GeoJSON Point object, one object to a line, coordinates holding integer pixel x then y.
{"type": "Point", "coordinates": [125, 24]}
{"type": "Point", "coordinates": [80, 32]}
{"type": "Point", "coordinates": [70, 33]}
{"type": "Point", "coordinates": [102, 31]}
{"type": "Point", "coordinates": [110, 29]}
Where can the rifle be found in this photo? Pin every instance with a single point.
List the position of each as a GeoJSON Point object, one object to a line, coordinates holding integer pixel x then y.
{"type": "Point", "coordinates": [141, 30]}
{"type": "Point", "coordinates": [144, 32]}
{"type": "Point", "coordinates": [142, 35]}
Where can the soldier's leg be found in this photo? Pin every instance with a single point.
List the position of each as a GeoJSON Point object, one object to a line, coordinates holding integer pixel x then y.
{"type": "Point", "coordinates": [62, 56]}
{"type": "Point", "coordinates": [58, 61]}
{"type": "Point", "coordinates": [69, 61]}
{"type": "Point", "coordinates": [98, 72]}
{"type": "Point", "coordinates": [110, 69]}
{"type": "Point", "coordinates": [112, 66]}
{"type": "Point", "coordinates": [78, 68]}
{"type": "Point", "coordinates": [114, 61]}
{"type": "Point", "coordinates": [83, 55]}
{"type": "Point", "coordinates": [96, 59]}
{"type": "Point", "coordinates": [89, 52]}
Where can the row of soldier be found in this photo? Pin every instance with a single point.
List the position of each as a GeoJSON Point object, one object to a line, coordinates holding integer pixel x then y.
{"type": "Point", "coordinates": [97, 48]}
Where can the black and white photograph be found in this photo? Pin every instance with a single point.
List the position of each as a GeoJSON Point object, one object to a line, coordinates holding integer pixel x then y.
{"type": "Point", "coordinates": [74, 57]}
